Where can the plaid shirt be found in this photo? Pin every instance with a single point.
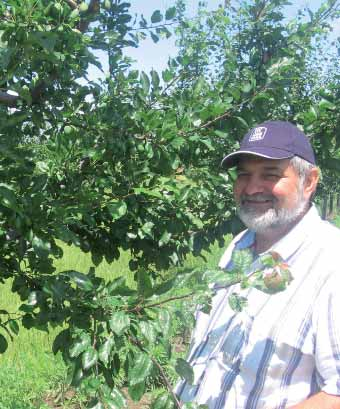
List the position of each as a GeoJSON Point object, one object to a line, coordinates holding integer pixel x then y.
{"type": "Point", "coordinates": [283, 347]}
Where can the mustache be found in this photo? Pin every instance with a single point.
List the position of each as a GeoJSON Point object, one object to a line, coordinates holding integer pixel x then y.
{"type": "Point", "coordinates": [257, 197]}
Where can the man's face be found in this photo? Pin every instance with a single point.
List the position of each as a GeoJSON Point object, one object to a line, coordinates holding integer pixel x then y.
{"type": "Point", "coordinates": [268, 193]}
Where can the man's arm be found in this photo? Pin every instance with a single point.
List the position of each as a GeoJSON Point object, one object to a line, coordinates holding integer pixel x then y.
{"type": "Point", "coordinates": [320, 400]}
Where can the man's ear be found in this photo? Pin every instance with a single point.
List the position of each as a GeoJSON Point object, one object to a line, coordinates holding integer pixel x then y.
{"type": "Point", "coordinates": [311, 182]}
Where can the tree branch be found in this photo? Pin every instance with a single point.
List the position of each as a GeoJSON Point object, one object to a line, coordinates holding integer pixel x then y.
{"type": "Point", "coordinates": [8, 99]}
{"type": "Point", "coordinates": [157, 304]}
{"type": "Point", "coordinates": [94, 7]}
{"type": "Point", "coordinates": [72, 4]}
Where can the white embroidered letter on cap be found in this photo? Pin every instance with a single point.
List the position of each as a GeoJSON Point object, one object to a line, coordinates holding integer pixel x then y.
{"type": "Point", "coordinates": [257, 134]}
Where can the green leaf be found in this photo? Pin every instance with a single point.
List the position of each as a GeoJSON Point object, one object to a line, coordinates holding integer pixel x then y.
{"type": "Point", "coordinates": [144, 79]}
{"type": "Point", "coordinates": [155, 79]}
{"type": "Point", "coordinates": [242, 260]}
{"type": "Point", "coordinates": [165, 238]}
{"type": "Point", "coordinates": [105, 350]}
{"type": "Point", "coordinates": [237, 302]}
{"type": "Point", "coordinates": [119, 322]}
{"type": "Point", "coordinates": [247, 87]}
{"type": "Point", "coordinates": [117, 209]}
{"type": "Point", "coordinates": [164, 321]}
{"type": "Point", "coordinates": [147, 192]}
{"type": "Point", "coordinates": [279, 67]}
{"type": "Point", "coordinates": [41, 247]}
{"type": "Point", "coordinates": [170, 13]}
{"type": "Point", "coordinates": [225, 278]}
{"type": "Point", "coordinates": [118, 398]}
{"type": "Point", "coordinates": [148, 331]}
{"type": "Point", "coordinates": [137, 391]}
{"type": "Point", "coordinates": [324, 105]}
{"type": "Point", "coordinates": [311, 115]}
{"type": "Point", "coordinates": [28, 321]}
{"type": "Point", "coordinates": [163, 401]}
{"type": "Point", "coordinates": [82, 281]}
{"type": "Point", "coordinates": [139, 368]}
{"type": "Point", "coordinates": [77, 376]}
{"type": "Point", "coordinates": [83, 7]}
{"type": "Point", "coordinates": [32, 298]}
{"type": "Point", "coordinates": [178, 142]}
{"type": "Point", "coordinates": [3, 344]}
{"type": "Point", "coordinates": [242, 121]}
{"type": "Point", "coordinates": [80, 345]}
{"type": "Point", "coordinates": [74, 14]}
{"type": "Point", "coordinates": [46, 39]}
{"type": "Point", "coordinates": [184, 370]}
{"type": "Point", "coordinates": [167, 75]}
{"type": "Point", "coordinates": [116, 284]}
{"type": "Point", "coordinates": [147, 228]}
{"type": "Point", "coordinates": [14, 327]}
{"type": "Point", "coordinates": [156, 17]}
{"type": "Point", "coordinates": [144, 283]}
{"type": "Point", "coordinates": [95, 404]}
{"type": "Point", "coordinates": [8, 197]}
{"type": "Point", "coordinates": [25, 93]}
{"type": "Point", "coordinates": [61, 341]}
{"type": "Point", "coordinates": [89, 358]}
{"type": "Point", "coordinates": [154, 37]}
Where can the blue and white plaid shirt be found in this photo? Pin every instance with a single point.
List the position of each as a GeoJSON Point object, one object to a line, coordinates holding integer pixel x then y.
{"type": "Point", "coordinates": [283, 347]}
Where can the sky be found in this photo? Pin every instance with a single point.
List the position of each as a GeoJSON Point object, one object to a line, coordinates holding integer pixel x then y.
{"type": "Point", "coordinates": [150, 55]}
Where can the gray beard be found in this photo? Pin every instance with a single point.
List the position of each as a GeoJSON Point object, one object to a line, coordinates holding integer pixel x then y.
{"type": "Point", "coordinates": [272, 218]}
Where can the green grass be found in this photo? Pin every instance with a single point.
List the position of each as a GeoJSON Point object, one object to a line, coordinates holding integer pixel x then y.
{"type": "Point", "coordinates": [28, 369]}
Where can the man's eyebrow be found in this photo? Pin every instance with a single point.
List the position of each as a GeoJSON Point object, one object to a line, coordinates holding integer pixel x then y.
{"type": "Point", "coordinates": [273, 168]}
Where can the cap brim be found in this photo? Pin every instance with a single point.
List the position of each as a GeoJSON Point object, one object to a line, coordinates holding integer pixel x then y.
{"type": "Point", "coordinates": [268, 153]}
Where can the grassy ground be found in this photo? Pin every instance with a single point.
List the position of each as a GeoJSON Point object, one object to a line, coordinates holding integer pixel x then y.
{"type": "Point", "coordinates": [28, 369]}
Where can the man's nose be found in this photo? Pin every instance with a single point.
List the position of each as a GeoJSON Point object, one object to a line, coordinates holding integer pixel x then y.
{"type": "Point", "coordinates": [254, 185]}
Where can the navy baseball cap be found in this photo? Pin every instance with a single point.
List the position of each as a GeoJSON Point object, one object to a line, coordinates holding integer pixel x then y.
{"type": "Point", "coordinates": [273, 140]}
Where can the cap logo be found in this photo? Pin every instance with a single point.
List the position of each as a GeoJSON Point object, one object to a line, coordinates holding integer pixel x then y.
{"type": "Point", "coordinates": [257, 134]}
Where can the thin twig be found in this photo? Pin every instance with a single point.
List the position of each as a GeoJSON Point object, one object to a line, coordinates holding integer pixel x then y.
{"type": "Point", "coordinates": [152, 27]}
{"type": "Point", "coordinates": [180, 297]}
{"type": "Point", "coordinates": [161, 370]}
{"type": "Point", "coordinates": [167, 383]}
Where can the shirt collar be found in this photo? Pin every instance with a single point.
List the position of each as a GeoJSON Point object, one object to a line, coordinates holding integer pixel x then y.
{"type": "Point", "coordinates": [289, 243]}
{"type": "Point", "coordinates": [294, 239]}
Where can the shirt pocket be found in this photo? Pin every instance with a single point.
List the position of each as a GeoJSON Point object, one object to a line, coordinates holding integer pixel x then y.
{"type": "Point", "coordinates": [280, 351]}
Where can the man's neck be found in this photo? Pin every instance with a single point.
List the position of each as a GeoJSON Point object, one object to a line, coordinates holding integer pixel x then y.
{"type": "Point", "coordinates": [265, 240]}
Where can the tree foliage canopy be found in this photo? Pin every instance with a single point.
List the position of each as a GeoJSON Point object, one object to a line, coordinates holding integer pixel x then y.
{"type": "Point", "coordinates": [132, 161]}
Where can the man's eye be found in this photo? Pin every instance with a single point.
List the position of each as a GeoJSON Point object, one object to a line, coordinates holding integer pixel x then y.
{"type": "Point", "coordinates": [242, 174]}
{"type": "Point", "coordinates": [272, 176]}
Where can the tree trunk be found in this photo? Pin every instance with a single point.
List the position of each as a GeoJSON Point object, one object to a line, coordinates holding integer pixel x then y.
{"type": "Point", "coordinates": [324, 207]}
{"type": "Point", "coordinates": [331, 205]}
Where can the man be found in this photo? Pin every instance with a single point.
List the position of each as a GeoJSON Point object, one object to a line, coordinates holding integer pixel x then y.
{"type": "Point", "coordinates": [283, 350]}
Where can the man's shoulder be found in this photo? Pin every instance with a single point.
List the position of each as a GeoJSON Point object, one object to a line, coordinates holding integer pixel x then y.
{"type": "Point", "coordinates": [315, 230]}
{"type": "Point", "coordinates": [327, 235]}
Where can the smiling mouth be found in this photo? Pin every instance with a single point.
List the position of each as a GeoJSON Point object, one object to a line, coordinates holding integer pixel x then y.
{"type": "Point", "coordinates": [258, 202]}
